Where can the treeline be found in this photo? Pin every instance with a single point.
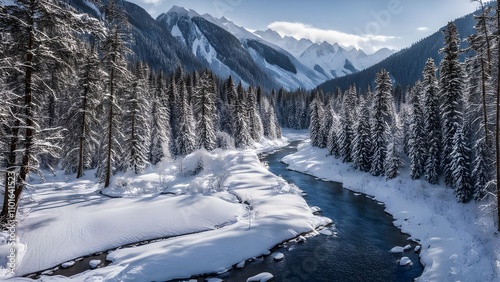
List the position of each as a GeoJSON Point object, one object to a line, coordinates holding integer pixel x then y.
{"type": "Point", "coordinates": [70, 98]}
{"type": "Point", "coordinates": [446, 125]}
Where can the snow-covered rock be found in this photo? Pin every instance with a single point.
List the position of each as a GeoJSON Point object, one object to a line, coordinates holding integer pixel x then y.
{"type": "Point", "coordinates": [326, 232]}
{"type": "Point", "coordinates": [404, 261]}
{"type": "Point", "coordinates": [262, 277]}
{"type": "Point", "coordinates": [278, 256]}
{"type": "Point", "coordinates": [241, 264]}
{"type": "Point", "coordinates": [214, 280]}
{"type": "Point", "coordinates": [417, 248]}
{"type": "Point", "coordinates": [315, 209]}
{"type": "Point", "coordinates": [94, 263]}
{"type": "Point", "coordinates": [301, 239]}
{"type": "Point", "coordinates": [397, 250]}
{"type": "Point", "coordinates": [68, 264]}
{"type": "Point", "coordinates": [407, 248]}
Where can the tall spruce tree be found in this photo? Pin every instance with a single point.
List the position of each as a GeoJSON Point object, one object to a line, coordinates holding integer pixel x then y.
{"type": "Point", "coordinates": [362, 149]}
{"type": "Point", "coordinates": [347, 119]}
{"type": "Point", "coordinates": [160, 123]}
{"type": "Point", "coordinates": [460, 167]}
{"type": "Point", "coordinates": [451, 92]}
{"type": "Point", "coordinates": [317, 113]}
{"type": "Point", "coordinates": [432, 122]}
{"type": "Point", "coordinates": [204, 110]}
{"type": "Point", "coordinates": [417, 144]}
{"type": "Point", "coordinates": [185, 141]}
{"type": "Point", "coordinates": [383, 121]}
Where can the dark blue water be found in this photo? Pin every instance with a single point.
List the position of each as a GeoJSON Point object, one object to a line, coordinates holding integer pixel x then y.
{"type": "Point", "coordinates": [359, 251]}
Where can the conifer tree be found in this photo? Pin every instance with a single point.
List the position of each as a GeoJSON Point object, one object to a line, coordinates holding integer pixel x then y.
{"type": "Point", "coordinates": [362, 149]}
{"type": "Point", "coordinates": [317, 113]}
{"type": "Point", "coordinates": [347, 119]}
{"type": "Point", "coordinates": [460, 167]}
{"type": "Point", "coordinates": [383, 121]}
{"type": "Point", "coordinates": [136, 127]}
{"type": "Point", "coordinates": [185, 137]}
{"type": "Point", "coordinates": [417, 144]}
{"type": "Point", "coordinates": [160, 123]}
{"type": "Point", "coordinates": [432, 122]}
{"type": "Point", "coordinates": [204, 110]}
{"type": "Point", "coordinates": [254, 120]}
{"type": "Point", "coordinates": [451, 93]}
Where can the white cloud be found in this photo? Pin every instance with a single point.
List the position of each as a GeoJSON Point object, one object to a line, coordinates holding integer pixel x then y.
{"type": "Point", "coordinates": [300, 30]}
{"type": "Point", "coordinates": [422, 28]}
{"type": "Point", "coordinates": [152, 1]}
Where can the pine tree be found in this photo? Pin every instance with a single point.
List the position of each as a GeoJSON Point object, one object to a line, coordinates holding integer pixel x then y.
{"type": "Point", "coordinates": [185, 138]}
{"type": "Point", "coordinates": [82, 141]}
{"type": "Point", "coordinates": [255, 122]}
{"type": "Point", "coordinates": [204, 110]}
{"type": "Point", "coordinates": [333, 145]}
{"type": "Point", "coordinates": [347, 119]}
{"type": "Point", "coordinates": [136, 127]}
{"type": "Point", "coordinates": [241, 132]}
{"type": "Point", "coordinates": [160, 123]}
{"type": "Point", "coordinates": [362, 149]}
{"type": "Point", "coordinates": [317, 113]}
{"type": "Point", "coordinates": [451, 92]}
{"type": "Point", "coordinates": [394, 161]}
{"type": "Point", "coordinates": [481, 171]}
{"type": "Point", "coordinates": [417, 144]}
{"type": "Point", "coordinates": [42, 34]}
{"type": "Point", "coordinates": [460, 167]}
{"type": "Point", "coordinates": [114, 51]}
{"type": "Point", "coordinates": [432, 122]}
{"type": "Point", "coordinates": [383, 121]}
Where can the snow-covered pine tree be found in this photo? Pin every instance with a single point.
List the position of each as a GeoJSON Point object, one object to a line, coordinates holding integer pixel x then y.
{"type": "Point", "coordinates": [317, 114]}
{"type": "Point", "coordinates": [347, 119]}
{"type": "Point", "coordinates": [362, 148]}
{"type": "Point", "coordinates": [185, 141]}
{"type": "Point", "coordinates": [82, 140]}
{"type": "Point", "coordinates": [114, 57]}
{"type": "Point", "coordinates": [394, 159]}
{"type": "Point", "coordinates": [333, 145]}
{"type": "Point", "coordinates": [417, 142]}
{"type": "Point", "coordinates": [451, 95]}
{"type": "Point", "coordinates": [460, 167]}
{"type": "Point", "coordinates": [204, 110]}
{"type": "Point", "coordinates": [173, 110]}
{"type": "Point", "coordinates": [481, 169]}
{"type": "Point", "coordinates": [382, 121]}
{"type": "Point", "coordinates": [255, 122]}
{"type": "Point", "coordinates": [136, 122]}
{"type": "Point", "coordinates": [326, 124]}
{"type": "Point", "coordinates": [241, 132]}
{"type": "Point", "coordinates": [42, 33]}
{"type": "Point", "coordinates": [160, 123]}
{"type": "Point", "coordinates": [432, 122]}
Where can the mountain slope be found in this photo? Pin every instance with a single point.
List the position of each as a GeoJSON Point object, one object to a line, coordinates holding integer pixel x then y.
{"type": "Point", "coordinates": [405, 66]}
{"type": "Point", "coordinates": [230, 49]}
{"type": "Point", "coordinates": [328, 60]}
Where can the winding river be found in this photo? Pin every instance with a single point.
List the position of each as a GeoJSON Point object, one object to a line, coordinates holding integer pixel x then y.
{"type": "Point", "coordinates": [359, 250]}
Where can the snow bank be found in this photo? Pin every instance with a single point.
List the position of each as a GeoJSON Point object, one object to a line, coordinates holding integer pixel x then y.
{"type": "Point", "coordinates": [459, 242]}
{"type": "Point", "coordinates": [223, 207]}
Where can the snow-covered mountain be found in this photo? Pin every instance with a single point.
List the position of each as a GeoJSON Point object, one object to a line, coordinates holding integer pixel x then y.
{"type": "Point", "coordinates": [232, 50]}
{"type": "Point", "coordinates": [329, 60]}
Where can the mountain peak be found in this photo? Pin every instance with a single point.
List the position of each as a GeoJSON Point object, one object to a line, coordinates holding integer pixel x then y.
{"type": "Point", "coordinates": [178, 10]}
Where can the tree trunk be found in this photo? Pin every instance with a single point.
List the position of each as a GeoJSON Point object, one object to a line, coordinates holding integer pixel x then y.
{"type": "Point", "coordinates": [497, 137]}
{"type": "Point", "coordinates": [110, 128]}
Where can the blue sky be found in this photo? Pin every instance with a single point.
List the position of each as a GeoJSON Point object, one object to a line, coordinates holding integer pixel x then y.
{"type": "Point", "coordinates": [366, 24]}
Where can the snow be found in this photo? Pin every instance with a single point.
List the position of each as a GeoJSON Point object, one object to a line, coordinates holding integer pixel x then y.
{"type": "Point", "coordinates": [262, 277]}
{"type": "Point", "coordinates": [326, 232]}
{"type": "Point", "coordinates": [397, 249]}
{"type": "Point", "coordinates": [94, 263]}
{"type": "Point", "coordinates": [241, 264]}
{"type": "Point", "coordinates": [405, 261]}
{"type": "Point", "coordinates": [459, 241]}
{"type": "Point", "coordinates": [278, 256]}
{"type": "Point", "coordinates": [417, 249]}
{"type": "Point", "coordinates": [68, 264]}
{"type": "Point", "coordinates": [205, 219]}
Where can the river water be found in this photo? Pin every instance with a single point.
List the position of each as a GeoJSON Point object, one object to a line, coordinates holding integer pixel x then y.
{"type": "Point", "coordinates": [359, 250]}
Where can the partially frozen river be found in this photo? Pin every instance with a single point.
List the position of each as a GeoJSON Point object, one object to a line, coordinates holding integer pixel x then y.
{"type": "Point", "coordinates": [360, 250]}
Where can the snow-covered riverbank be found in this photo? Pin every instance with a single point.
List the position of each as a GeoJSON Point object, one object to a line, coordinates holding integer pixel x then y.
{"type": "Point", "coordinates": [459, 242]}
{"type": "Point", "coordinates": [229, 204]}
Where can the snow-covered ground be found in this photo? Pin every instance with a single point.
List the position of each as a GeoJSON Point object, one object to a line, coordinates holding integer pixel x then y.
{"type": "Point", "coordinates": [459, 242]}
{"type": "Point", "coordinates": [220, 208]}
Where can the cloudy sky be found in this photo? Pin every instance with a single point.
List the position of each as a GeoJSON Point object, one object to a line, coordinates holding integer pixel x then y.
{"type": "Point", "coordinates": [366, 24]}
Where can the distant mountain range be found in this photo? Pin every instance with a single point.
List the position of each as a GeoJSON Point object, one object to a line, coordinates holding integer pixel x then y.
{"type": "Point", "coordinates": [185, 38]}
{"type": "Point", "coordinates": [405, 66]}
